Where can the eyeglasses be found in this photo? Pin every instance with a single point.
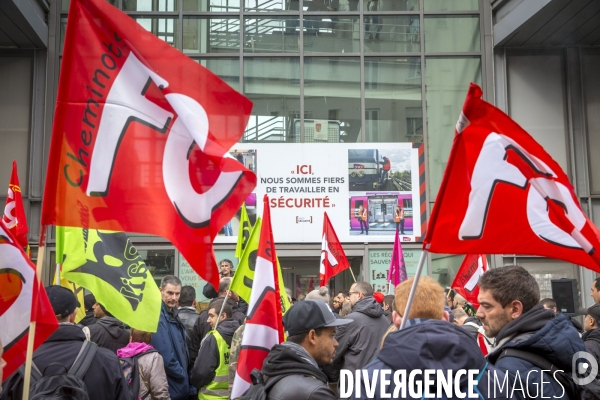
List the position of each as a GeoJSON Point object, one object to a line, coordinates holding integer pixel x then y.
{"type": "Point", "coordinates": [351, 293]}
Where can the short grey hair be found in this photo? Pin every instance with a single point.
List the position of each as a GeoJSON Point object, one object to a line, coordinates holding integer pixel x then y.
{"type": "Point", "coordinates": [170, 280]}
{"type": "Point", "coordinates": [224, 284]}
{"type": "Point", "coordinates": [364, 287]}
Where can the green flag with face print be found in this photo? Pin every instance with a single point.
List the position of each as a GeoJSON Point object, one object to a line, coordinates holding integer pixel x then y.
{"type": "Point", "coordinates": [109, 266]}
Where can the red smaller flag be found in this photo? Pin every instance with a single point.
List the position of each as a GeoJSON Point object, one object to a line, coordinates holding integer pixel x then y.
{"type": "Point", "coordinates": [20, 292]}
{"type": "Point", "coordinates": [465, 282]}
{"type": "Point", "coordinates": [333, 258]}
{"type": "Point", "coordinates": [14, 212]}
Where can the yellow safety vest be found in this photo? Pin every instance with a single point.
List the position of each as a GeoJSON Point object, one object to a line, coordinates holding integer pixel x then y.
{"type": "Point", "coordinates": [218, 389]}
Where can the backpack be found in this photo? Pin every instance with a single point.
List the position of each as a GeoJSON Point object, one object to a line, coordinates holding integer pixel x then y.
{"type": "Point", "coordinates": [67, 385]}
{"type": "Point", "coordinates": [574, 391]}
{"type": "Point", "coordinates": [257, 390]}
{"type": "Point", "coordinates": [131, 371]}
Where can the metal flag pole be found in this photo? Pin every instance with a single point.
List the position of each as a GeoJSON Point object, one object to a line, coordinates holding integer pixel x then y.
{"type": "Point", "coordinates": [413, 289]}
{"type": "Point", "coordinates": [222, 306]}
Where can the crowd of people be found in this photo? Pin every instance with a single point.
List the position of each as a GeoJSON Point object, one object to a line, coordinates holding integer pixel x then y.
{"type": "Point", "coordinates": [194, 355]}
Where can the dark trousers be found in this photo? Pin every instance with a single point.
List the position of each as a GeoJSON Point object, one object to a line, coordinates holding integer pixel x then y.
{"type": "Point", "coordinates": [365, 224]}
{"type": "Point", "coordinates": [400, 226]}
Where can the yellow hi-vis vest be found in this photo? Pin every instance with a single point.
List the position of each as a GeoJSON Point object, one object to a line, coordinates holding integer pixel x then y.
{"type": "Point", "coordinates": [218, 389]}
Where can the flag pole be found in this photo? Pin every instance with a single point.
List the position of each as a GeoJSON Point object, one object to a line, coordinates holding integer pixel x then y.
{"type": "Point", "coordinates": [353, 277]}
{"type": "Point", "coordinates": [413, 289]}
{"type": "Point", "coordinates": [222, 307]}
{"type": "Point", "coordinates": [31, 338]}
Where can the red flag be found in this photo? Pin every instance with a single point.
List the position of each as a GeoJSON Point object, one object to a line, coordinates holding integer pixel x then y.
{"type": "Point", "coordinates": [264, 324]}
{"type": "Point", "coordinates": [467, 277]}
{"type": "Point", "coordinates": [333, 257]}
{"type": "Point", "coordinates": [14, 212]}
{"type": "Point", "coordinates": [20, 291]}
{"type": "Point", "coordinates": [503, 194]}
{"type": "Point", "coordinates": [140, 138]}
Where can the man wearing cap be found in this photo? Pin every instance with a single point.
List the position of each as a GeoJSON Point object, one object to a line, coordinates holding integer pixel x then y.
{"type": "Point", "coordinates": [591, 326]}
{"type": "Point", "coordinates": [292, 369]}
{"type": "Point", "coordinates": [104, 379]}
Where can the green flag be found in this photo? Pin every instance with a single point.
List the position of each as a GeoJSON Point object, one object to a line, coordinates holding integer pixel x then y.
{"type": "Point", "coordinates": [107, 264]}
{"type": "Point", "coordinates": [243, 233]}
{"type": "Point", "coordinates": [244, 274]}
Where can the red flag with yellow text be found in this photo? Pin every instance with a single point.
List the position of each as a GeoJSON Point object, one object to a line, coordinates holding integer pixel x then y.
{"type": "Point", "coordinates": [141, 137]}
{"type": "Point", "coordinates": [14, 211]}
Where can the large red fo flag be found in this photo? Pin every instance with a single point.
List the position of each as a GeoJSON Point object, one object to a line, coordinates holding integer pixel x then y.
{"type": "Point", "coordinates": [20, 294]}
{"type": "Point", "coordinates": [333, 257]}
{"type": "Point", "coordinates": [503, 194]}
{"type": "Point", "coordinates": [467, 277]}
{"type": "Point", "coordinates": [14, 212]}
{"type": "Point", "coordinates": [140, 138]}
{"type": "Point", "coordinates": [264, 325]}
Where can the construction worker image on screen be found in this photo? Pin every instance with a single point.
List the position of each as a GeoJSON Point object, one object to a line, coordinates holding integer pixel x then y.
{"type": "Point", "coordinates": [363, 217]}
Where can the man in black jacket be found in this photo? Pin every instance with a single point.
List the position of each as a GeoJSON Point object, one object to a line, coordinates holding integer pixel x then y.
{"type": "Point", "coordinates": [202, 327]}
{"type": "Point", "coordinates": [292, 369]}
{"type": "Point", "coordinates": [104, 379]}
{"type": "Point", "coordinates": [211, 368]}
{"type": "Point", "coordinates": [88, 302]}
{"type": "Point", "coordinates": [107, 332]}
{"type": "Point", "coordinates": [187, 311]}
{"type": "Point", "coordinates": [591, 325]}
{"type": "Point", "coordinates": [360, 340]}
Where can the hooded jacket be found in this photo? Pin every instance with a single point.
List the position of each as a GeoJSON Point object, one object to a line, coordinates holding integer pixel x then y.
{"type": "Point", "coordinates": [88, 320]}
{"type": "Point", "coordinates": [359, 341]}
{"type": "Point", "coordinates": [169, 341]}
{"type": "Point", "coordinates": [104, 378]}
{"type": "Point", "coordinates": [591, 340]}
{"type": "Point", "coordinates": [152, 370]}
{"type": "Point", "coordinates": [109, 332]}
{"type": "Point", "coordinates": [542, 332]}
{"type": "Point", "coordinates": [427, 344]}
{"type": "Point", "coordinates": [292, 374]}
{"type": "Point", "coordinates": [207, 361]}
{"type": "Point", "coordinates": [202, 327]}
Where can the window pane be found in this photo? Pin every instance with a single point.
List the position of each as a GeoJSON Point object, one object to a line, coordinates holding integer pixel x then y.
{"type": "Point", "coordinates": [450, 34]}
{"type": "Point", "coordinates": [323, 33]}
{"type": "Point", "coordinates": [392, 33]}
{"type": "Point", "coordinates": [211, 5]}
{"type": "Point", "coordinates": [451, 5]}
{"type": "Point", "coordinates": [15, 114]}
{"type": "Point", "coordinates": [332, 95]}
{"type": "Point", "coordinates": [591, 88]}
{"type": "Point", "coordinates": [63, 28]}
{"type": "Point", "coordinates": [150, 5]}
{"type": "Point", "coordinates": [163, 28]}
{"type": "Point", "coordinates": [446, 84]}
{"type": "Point", "coordinates": [397, 5]}
{"type": "Point", "coordinates": [444, 267]}
{"type": "Point", "coordinates": [272, 5]}
{"type": "Point", "coordinates": [215, 35]}
{"type": "Point", "coordinates": [393, 110]}
{"type": "Point", "coordinates": [331, 5]}
{"type": "Point", "coordinates": [271, 35]}
{"type": "Point", "coordinates": [273, 85]}
{"type": "Point", "coordinates": [227, 69]}
{"type": "Point", "coordinates": [64, 4]}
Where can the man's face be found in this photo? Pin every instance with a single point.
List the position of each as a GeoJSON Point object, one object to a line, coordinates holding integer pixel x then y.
{"type": "Point", "coordinates": [354, 295]}
{"type": "Point", "coordinates": [588, 323]}
{"type": "Point", "coordinates": [98, 313]}
{"type": "Point", "coordinates": [336, 303]}
{"type": "Point", "coordinates": [325, 347]}
{"type": "Point", "coordinates": [595, 293]}
{"type": "Point", "coordinates": [225, 268]}
{"type": "Point", "coordinates": [212, 318]}
{"type": "Point", "coordinates": [170, 295]}
{"type": "Point", "coordinates": [491, 313]}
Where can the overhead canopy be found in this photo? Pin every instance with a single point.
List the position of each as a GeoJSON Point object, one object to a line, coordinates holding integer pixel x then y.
{"type": "Point", "coordinates": [23, 24]}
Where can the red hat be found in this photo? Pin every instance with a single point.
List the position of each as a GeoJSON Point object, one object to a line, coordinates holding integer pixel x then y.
{"type": "Point", "coordinates": [378, 297]}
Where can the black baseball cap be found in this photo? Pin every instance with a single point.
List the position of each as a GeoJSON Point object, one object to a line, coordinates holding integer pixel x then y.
{"type": "Point", "coordinates": [62, 299]}
{"type": "Point", "coordinates": [310, 314]}
{"type": "Point", "coordinates": [593, 311]}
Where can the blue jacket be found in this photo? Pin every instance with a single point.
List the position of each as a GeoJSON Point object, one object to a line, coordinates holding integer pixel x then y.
{"type": "Point", "coordinates": [169, 341]}
{"type": "Point", "coordinates": [538, 331]}
{"type": "Point", "coordinates": [429, 344]}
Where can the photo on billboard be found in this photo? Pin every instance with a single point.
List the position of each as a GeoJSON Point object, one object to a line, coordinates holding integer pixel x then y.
{"type": "Point", "coordinates": [247, 157]}
{"type": "Point", "coordinates": [374, 213]}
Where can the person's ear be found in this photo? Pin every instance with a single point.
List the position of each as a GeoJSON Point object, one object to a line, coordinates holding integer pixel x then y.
{"type": "Point", "coordinates": [72, 316]}
{"type": "Point", "coordinates": [312, 337]}
{"type": "Point", "coordinates": [446, 316]}
{"type": "Point", "coordinates": [396, 319]}
{"type": "Point", "coordinates": [515, 309]}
